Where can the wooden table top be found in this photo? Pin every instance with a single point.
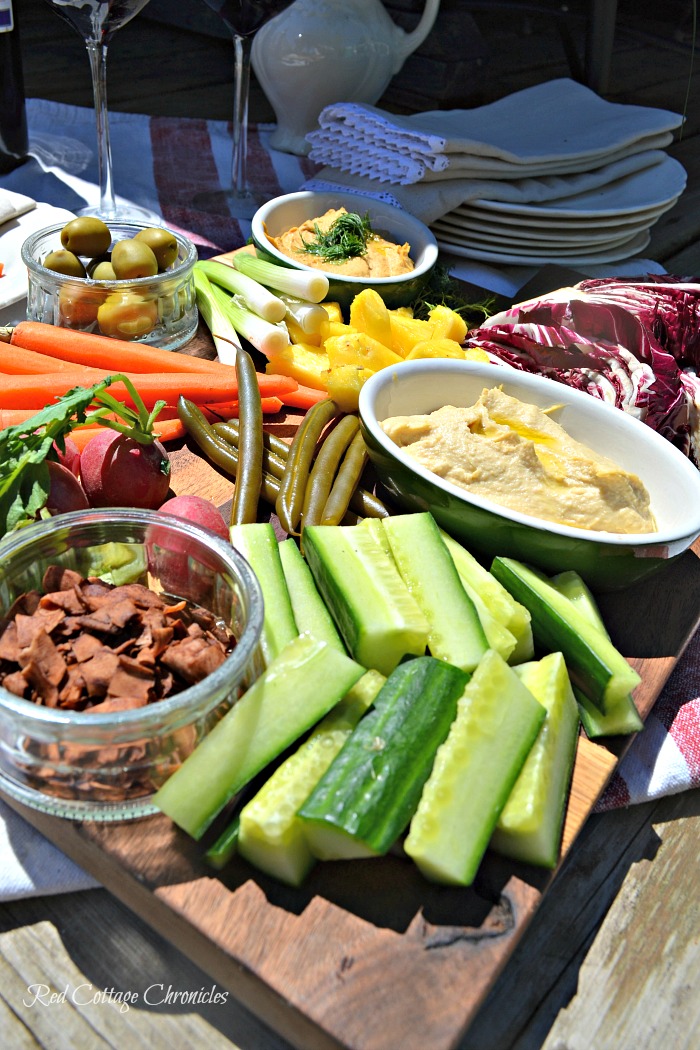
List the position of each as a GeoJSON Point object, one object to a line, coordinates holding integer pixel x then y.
{"type": "Point", "coordinates": [610, 959]}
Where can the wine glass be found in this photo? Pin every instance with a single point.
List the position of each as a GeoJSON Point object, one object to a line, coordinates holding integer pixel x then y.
{"type": "Point", "coordinates": [243, 18]}
{"type": "Point", "coordinates": [97, 21]}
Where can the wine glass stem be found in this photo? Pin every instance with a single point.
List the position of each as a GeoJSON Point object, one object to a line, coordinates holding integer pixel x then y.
{"type": "Point", "coordinates": [98, 66]}
{"type": "Point", "coordinates": [239, 174]}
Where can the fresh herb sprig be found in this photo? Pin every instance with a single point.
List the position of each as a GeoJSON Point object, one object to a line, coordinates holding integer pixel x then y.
{"type": "Point", "coordinates": [444, 290]}
{"type": "Point", "coordinates": [345, 238]}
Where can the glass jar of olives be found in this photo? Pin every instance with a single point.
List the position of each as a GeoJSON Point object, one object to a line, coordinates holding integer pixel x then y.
{"type": "Point", "coordinates": [118, 279]}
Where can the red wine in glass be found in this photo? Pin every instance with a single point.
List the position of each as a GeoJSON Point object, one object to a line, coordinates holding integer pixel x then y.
{"type": "Point", "coordinates": [243, 18]}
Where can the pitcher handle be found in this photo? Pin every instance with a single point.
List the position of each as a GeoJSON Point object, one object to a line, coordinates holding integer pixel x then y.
{"type": "Point", "coordinates": [408, 42]}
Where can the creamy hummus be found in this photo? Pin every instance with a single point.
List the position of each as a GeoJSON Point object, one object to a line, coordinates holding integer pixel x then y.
{"type": "Point", "coordinates": [513, 454]}
{"type": "Point", "coordinates": [382, 259]}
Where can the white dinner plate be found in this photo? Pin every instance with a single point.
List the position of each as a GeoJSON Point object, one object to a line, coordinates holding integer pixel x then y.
{"type": "Point", "coordinates": [625, 251]}
{"type": "Point", "coordinates": [461, 229]}
{"type": "Point", "coordinates": [13, 234]}
{"type": "Point", "coordinates": [557, 222]}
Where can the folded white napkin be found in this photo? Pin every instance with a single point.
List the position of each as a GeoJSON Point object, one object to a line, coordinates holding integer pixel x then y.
{"type": "Point", "coordinates": [13, 233]}
{"type": "Point", "coordinates": [644, 180]}
{"type": "Point", "coordinates": [13, 204]}
{"type": "Point", "coordinates": [556, 126]}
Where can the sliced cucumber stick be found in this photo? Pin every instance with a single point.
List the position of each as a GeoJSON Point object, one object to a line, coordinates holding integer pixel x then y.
{"type": "Point", "coordinates": [308, 607]}
{"type": "Point", "coordinates": [593, 662]}
{"type": "Point", "coordinates": [258, 544]}
{"type": "Point", "coordinates": [497, 722]}
{"type": "Point", "coordinates": [376, 615]}
{"type": "Point", "coordinates": [529, 828]}
{"type": "Point", "coordinates": [426, 567]}
{"type": "Point", "coordinates": [500, 602]}
{"type": "Point", "coordinates": [366, 797]}
{"type": "Point", "coordinates": [298, 688]}
{"type": "Point", "coordinates": [271, 836]}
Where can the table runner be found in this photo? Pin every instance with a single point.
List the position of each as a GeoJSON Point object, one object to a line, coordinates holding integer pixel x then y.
{"type": "Point", "coordinates": [166, 163]}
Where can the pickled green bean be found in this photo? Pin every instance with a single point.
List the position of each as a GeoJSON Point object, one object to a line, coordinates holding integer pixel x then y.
{"type": "Point", "coordinates": [290, 501]}
{"type": "Point", "coordinates": [325, 468]}
{"type": "Point", "coordinates": [345, 482]}
{"type": "Point", "coordinates": [250, 442]}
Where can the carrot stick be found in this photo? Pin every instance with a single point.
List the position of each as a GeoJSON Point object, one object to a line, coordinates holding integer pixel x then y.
{"type": "Point", "coordinates": [35, 391]}
{"type": "Point", "coordinates": [12, 417]}
{"type": "Point", "coordinates": [302, 397]}
{"type": "Point", "coordinates": [101, 351]}
{"type": "Point", "coordinates": [229, 409]}
{"type": "Point", "coordinates": [164, 429]}
{"type": "Point", "coordinates": [16, 360]}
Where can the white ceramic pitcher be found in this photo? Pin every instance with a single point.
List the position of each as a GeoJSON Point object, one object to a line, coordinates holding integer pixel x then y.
{"type": "Point", "coordinates": [321, 51]}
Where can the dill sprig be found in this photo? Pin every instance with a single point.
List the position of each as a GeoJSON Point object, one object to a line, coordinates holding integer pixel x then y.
{"type": "Point", "coordinates": [444, 290]}
{"type": "Point", "coordinates": [345, 238]}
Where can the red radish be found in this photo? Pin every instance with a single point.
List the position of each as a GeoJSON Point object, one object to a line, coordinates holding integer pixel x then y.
{"type": "Point", "coordinates": [65, 492]}
{"type": "Point", "coordinates": [198, 510]}
{"type": "Point", "coordinates": [70, 457]}
{"type": "Point", "coordinates": [118, 471]}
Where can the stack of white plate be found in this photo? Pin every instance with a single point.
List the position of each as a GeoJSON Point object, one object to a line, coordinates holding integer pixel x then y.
{"type": "Point", "coordinates": [608, 224]}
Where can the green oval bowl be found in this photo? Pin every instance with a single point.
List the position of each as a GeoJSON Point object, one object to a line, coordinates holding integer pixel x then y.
{"type": "Point", "coordinates": [607, 561]}
{"type": "Point", "coordinates": [292, 209]}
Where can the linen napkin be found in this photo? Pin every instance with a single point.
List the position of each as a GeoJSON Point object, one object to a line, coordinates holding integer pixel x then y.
{"type": "Point", "coordinates": [665, 177]}
{"type": "Point", "coordinates": [555, 126]}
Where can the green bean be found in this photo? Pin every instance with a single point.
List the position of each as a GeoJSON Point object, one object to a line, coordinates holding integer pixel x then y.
{"type": "Point", "coordinates": [220, 452]}
{"type": "Point", "coordinates": [325, 468]}
{"type": "Point", "coordinates": [250, 442]}
{"type": "Point", "coordinates": [290, 500]}
{"type": "Point", "coordinates": [365, 504]}
{"type": "Point", "coordinates": [272, 463]}
{"type": "Point", "coordinates": [345, 482]}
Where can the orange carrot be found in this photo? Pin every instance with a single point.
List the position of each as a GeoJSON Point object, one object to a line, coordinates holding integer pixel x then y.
{"type": "Point", "coordinates": [229, 409]}
{"type": "Point", "coordinates": [15, 360]}
{"type": "Point", "coordinates": [164, 429]}
{"type": "Point", "coordinates": [12, 417]}
{"type": "Point", "coordinates": [303, 397]}
{"type": "Point", "coordinates": [35, 391]}
{"type": "Point", "coordinates": [101, 351]}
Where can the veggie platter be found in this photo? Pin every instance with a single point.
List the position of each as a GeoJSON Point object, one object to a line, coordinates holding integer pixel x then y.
{"type": "Point", "coordinates": [323, 959]}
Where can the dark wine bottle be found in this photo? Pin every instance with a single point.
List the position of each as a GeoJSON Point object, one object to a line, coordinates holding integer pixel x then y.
{"type": "Point", "coordinates": [13, 117]}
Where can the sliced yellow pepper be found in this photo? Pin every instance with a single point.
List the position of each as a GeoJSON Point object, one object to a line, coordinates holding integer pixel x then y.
{"type": "Point", "coordinates": [306, 363]}
{"type": "Point", "coordinates": [406, 331]}
{"type": "Point", "coordinates": [333, 310]}
{"type": "Point", "coordinates": [369, 314]}
{"type": "Point", "coordinates": [436, 348]}
{"type": "Point", "coordinates": [361, 350]}
{"type": "Point", "coordinates": [448, 323]}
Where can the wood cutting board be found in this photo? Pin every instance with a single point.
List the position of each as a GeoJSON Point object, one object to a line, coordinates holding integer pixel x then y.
{"type": "Point", "coordinates": [367, 955]}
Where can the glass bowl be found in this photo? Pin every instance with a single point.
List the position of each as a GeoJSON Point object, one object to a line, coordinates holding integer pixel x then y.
{"type": "Point", "coordinates": [160, 311]}
{"type": "Point", "coordinates": [106, 766]}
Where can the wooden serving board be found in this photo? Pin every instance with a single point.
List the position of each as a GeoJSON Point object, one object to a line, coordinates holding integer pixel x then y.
{"type": "Point", "coordinates": [367, 955]}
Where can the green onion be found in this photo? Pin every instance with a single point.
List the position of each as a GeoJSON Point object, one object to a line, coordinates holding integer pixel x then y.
{"type": "Point", "coordinates": [216, 319]}
{"type": "Point", "coordinates": [310, 317]}
{"type": "Point", "coordinates": [304, 284]}
{"type": "Point", "coordinates": [257, 296]}
{"type": "Point", "coordinates": [269, 339]}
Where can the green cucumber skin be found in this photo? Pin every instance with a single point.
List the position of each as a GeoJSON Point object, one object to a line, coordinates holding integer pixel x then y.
{"type": "Point", "coordinates": [258, 544]}
{"type": "Point", "coordinates": [371, 788]}
{"type": "Point", "coordinates": [473, 774]}
{"type": "Point", "coordinates": [305, 681]}
{"type": "Point", "coordinates": [594, 665]}
{"type": "Point", "coordinates": [379, 622]}
{"type": "Point", "coordinates": [308, 608]}
{"type": "Point", "coordinates": [530, 825]}
{"type": "Point", "coordinates": [427, 569]}
{"type": "Point", "coordinates": [622, 718]}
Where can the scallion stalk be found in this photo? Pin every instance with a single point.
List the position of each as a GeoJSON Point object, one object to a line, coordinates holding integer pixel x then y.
{"type": "Point", "coordinates": [257, 296]}
{"type": "Point", "coordinates": [311, 318]}
{"type": "Point", "coordinates": [223, 333]}
{"type": "Point", "coordinates": [269, 339]}
{"type": "Point", "coordinates": [304, 284]}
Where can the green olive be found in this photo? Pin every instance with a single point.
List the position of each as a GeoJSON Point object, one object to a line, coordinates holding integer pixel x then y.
{"type": "Point", "coordinates": [65, 262]}
{"type": "Point", "coordinates": [127, 315]}
{"type": "Point", "coordinates": [103, 271]}
{"type": "Point", "coordinates": [95, 262]}
{"type": "Point", "coordinates": [132, 259]}
{"type": "Point", "coordinates": [86, 236]}
{"type": "Point", "coordinates": [163, 244]}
